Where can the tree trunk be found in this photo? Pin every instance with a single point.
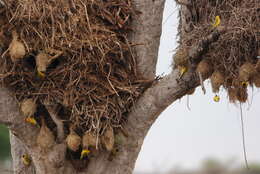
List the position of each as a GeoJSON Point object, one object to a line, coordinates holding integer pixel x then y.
{"type": "Point", "coordinates": [54, 161]}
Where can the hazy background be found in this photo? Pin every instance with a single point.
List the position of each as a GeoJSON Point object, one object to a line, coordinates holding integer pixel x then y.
{"type": "Point", "coordinates": [183, 139]}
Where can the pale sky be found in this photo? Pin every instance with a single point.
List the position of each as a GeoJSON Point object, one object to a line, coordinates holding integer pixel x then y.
{"type": "Point", "coordinates": [183, 137]}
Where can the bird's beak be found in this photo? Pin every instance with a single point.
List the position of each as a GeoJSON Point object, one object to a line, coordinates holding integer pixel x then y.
{"type": "Point", "coordinates": [30, 120]}
{"type": "Point", "coordinates": [41, 75]}
{"type": "Point", "coordinates": [84, 153]}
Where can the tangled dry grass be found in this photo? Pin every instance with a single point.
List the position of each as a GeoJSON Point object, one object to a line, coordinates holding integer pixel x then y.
{"type": "Point", "coordinates": [89, 69]}
{"type": "Point", "coordinates": [233, 58]}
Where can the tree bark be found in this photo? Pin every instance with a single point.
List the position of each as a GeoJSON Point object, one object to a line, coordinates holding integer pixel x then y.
{"type": "Point", "coordinates": [17, 150]}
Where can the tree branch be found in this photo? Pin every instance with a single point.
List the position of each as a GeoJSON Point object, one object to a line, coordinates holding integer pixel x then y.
{"type": "Point", "coordinates": [11, 116]}
{"type": "Point", "coordinates": [146, 35]}
{"type": "Point", "coordinates": [167, 90]}
{"type": "Point", "coordinates": [143, 115]}
{"type": "Point", "coordinates": [53, 111]}
{"type": "Point", "coordinates": [202, 46]}
{"type": "Point", "coordinates": [157, 98]}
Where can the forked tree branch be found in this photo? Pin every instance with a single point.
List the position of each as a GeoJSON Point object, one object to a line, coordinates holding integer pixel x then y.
{"type": "Point", "coordinates": [167, 90]}
{"type": "Point", "coordinates": [157, 98]}
{"type": "Point", "coordinates": [53, 111]}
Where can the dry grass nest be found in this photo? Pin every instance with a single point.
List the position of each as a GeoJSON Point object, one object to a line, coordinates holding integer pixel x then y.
{"type": "Point", "coordinates": [234, 55]}
{"type": "Point", "coordinates": [74, 53]}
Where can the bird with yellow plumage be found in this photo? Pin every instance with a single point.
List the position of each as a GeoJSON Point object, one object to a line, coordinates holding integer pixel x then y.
{"type": "Point", "coordinates": [26, 159]}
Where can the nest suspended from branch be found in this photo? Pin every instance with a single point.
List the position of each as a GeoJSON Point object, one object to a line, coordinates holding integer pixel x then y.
{"type": "Point", "coordinates": [237, 51]}
{"type": "Point", "coordinates": [76, 54]}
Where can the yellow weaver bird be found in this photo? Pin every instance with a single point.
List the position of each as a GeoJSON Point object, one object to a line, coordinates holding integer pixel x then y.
{"type": "Point", "coordinates": [30, 120]}
{"type": "Point", "coordinates": [26, 160]}
{"type": "Point", "coordinates": [89, 141]}
{"type": "Point", "coordinates": [216, 98]}
{"type": "Point", "coordinates": [43, 60]}
{"type": "Point", "coordinates": [217, 22]}
{"type": "Point", "coordinates": [41, 75]}
{"type": "Point", "coordinates": [182, 70]}
{"type": "Point", "coordinates": [84, 153]}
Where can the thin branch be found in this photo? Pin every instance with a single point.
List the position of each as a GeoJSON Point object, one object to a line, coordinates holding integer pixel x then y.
{"type": "Point", "coordinates": [53, 111]}
{"type": "Point", "coordinates": [243, 135]}
{"type": "Point", "coordinates": [156, 99]}
{"type": "Point", "coordinates": [201, 83]}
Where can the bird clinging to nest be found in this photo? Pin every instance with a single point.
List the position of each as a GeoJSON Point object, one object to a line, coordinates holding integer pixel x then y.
{"type": "Point", "coordinates": [43, 60]}
{"type": "Point", "coordinates": [181, 58]}
{"type": "Point", "coordinates": [88, 141]}
{"type": "Point", "coordinates": [28, 109]}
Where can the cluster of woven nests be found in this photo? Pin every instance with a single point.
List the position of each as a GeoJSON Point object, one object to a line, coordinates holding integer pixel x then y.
{"type": "Point", "coordinates": [234, 60]}
{"type": "Point", "coordinates": [72, 53]}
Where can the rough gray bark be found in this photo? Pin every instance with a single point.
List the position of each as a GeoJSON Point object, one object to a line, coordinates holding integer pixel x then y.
{"type": "Point", "coordinates": [146, 34]}
{"type": "Point", "coordinates": [17, 150]}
